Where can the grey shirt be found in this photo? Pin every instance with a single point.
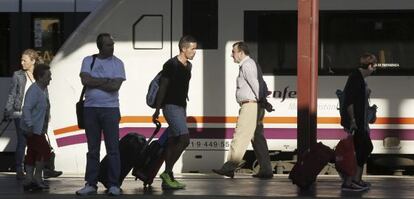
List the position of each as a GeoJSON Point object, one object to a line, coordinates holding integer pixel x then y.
{"type": "Point", "coordinates": [247, 81]}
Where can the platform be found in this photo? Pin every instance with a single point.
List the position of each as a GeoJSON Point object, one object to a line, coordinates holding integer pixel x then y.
{"type": "Point", "coordinates": [210, 186]}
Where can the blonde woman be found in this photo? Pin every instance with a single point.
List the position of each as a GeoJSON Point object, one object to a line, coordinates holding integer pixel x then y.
{"type": "Point", "coordinates": [21, 81]}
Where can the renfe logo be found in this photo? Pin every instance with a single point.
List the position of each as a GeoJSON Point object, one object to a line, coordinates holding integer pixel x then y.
{"type": "Point", "coordinates": [285, 93]}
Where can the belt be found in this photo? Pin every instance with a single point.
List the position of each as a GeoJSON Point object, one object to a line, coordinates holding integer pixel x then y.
{"type": "Point", "coordinates": [247, 101]}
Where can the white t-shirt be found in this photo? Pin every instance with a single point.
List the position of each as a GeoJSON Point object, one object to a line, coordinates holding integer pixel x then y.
{"type": "Point", "coordinates": [29, 82]}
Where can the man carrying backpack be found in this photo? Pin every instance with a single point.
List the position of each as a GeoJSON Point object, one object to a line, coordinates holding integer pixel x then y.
{"type": "Point", "coordinates": [102, 75]}
{"type": "Point", "coordinates": [171, 97]}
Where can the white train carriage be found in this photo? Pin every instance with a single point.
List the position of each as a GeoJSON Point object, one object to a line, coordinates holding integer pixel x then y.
{"type": "Point", "coordinates": [146, 34]}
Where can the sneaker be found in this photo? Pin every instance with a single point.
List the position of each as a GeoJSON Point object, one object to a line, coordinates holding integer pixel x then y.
{"type": "Point", "coordinates": [114, 191]}
{"type": "Point", "coordinates": [43, 185]}
{"type": "Point", "coordinates": [87, 190]}
{"type": "Point", "coordinates": [179, 184]}
{"type": "Point", "coordinates": [168, 183]}
{"type": "Point", "coordinates": [353, 187]}
{"type": "Point", "coordinates": [47, 173]}
{"type": "Point", "coordinates": [362, 183]}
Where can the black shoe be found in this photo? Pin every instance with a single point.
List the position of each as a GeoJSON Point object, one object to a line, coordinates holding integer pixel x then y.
{"type": "Point", "coordinates": [20, 175]}
{"type": "Point", "coordinates": [228, 173]}
{"type": "Point", "coordinates": [32, 187]}
{"type": "Point", "coordinates": [353, 187]}
{"type": "Point", "coordinates": [47, 173]}
{"type": "Point", "coordinates": [362, 183]}
{"type": "Point", "coordinates": [262, 176]}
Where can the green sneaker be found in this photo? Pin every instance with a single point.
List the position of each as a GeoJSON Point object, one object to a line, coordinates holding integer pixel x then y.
{"type": "Point", "coordinates": [179, 184]}
{"type": "Point", "coordinates": [168, 183]}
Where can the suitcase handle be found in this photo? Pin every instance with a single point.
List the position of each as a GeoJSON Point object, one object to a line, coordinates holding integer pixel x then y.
{"type": "Point", "coordinates": [158, 126]}
{"type": "Point", "coordinates": [157, 129]}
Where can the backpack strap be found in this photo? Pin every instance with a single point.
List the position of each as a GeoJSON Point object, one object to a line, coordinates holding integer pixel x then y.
{"type": "Point", "coordinates": [84, 88]}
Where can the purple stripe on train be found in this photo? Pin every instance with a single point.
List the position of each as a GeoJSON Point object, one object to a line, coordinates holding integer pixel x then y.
{"type": "Point", "coordinates": [270, 133]}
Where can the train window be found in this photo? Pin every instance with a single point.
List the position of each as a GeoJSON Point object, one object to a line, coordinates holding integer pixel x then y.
{"type": "Point", "coordinates": [272, 36]}
{"type": "Point", "coordinates": [148, 32]}
{"type": "Point", "coordinates": [347, 35]}
{"type": "Point", "coordinates": [200, 19]}
{"type": "Point", "coordinates": [4, 47]}
{"type": "Point", "coordinates": [272, 39]}
{"type": "Point", "coordinates": [47, 36]}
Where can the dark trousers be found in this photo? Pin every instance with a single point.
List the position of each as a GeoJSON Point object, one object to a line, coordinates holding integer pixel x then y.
{"type": "Point", "coordinates": [97, 121]}
{"type": "Point", "coordinates": [363, 146]}
{"type": "Point", "coordinates": [20, 146]}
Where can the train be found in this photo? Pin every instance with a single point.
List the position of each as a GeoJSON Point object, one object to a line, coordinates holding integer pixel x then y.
{"type": "Point", "coordinates": [146, 34]}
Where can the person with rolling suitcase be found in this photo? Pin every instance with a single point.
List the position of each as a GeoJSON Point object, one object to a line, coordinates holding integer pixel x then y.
{"type": "Point", "coordinates": [172, 98]}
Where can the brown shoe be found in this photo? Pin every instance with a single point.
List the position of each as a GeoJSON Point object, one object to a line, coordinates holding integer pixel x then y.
{"type": "Point", "coordinates": [229, 168]}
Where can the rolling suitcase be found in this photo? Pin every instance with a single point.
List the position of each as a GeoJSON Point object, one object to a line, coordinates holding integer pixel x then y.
{"type": "Point", "coordinates": [151, 158]}
{"type": "Point", "coordinates": [130, 147]}
{"type": "Point", "coordinates": [305, 171]}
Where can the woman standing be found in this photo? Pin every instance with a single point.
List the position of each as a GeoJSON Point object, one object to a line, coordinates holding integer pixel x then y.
{"type": "Point", "coordinates": [21, 81]}
{"type": "Point", "coordinates": [34, 123]}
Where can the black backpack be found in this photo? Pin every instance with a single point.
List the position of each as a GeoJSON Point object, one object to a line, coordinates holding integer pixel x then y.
{"type": "Point", "coordinates": [342, 109]}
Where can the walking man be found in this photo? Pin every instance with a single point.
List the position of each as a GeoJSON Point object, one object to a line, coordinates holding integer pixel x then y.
{"type": "Point", "coordinates": [251, 93]}
{"type": "Point", "coordinates": [172, 98]}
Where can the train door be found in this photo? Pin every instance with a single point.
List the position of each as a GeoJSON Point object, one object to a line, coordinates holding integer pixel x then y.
{"type": "Point", "coordinates": [152, 45]}
{"type": "Point", "coordinates": [142, 34]}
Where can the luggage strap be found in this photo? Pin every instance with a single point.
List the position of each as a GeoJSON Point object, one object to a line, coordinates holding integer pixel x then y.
{"type": "Point", "coordinates": [5, 128]}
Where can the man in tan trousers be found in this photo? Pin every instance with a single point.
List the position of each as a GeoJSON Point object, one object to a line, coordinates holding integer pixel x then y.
{"type": "Point", "coordinates": [251, 95]}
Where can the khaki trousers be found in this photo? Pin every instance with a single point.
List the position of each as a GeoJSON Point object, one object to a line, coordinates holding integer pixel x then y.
{"type": "Point", "coordinates": [249, 128]}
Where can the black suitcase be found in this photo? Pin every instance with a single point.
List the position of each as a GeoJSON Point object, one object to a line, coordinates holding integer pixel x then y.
{"type": "Point", "coordinates": [130, 147]}
{"type": "Point", "coordinates": [151, 159]}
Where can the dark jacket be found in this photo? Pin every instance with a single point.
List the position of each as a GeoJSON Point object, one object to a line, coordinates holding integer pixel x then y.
{"type": "Point", "coordinates": [16, 92]}
{"type": "Point", "coordinates": [355, 93]}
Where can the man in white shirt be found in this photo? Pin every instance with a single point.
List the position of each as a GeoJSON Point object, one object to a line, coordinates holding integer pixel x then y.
{"type": "Point", "coordinates": [251, 95]}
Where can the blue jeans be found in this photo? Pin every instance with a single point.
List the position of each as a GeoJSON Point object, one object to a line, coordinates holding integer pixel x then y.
{"type": "Point", "coordinates": [97, 121]}
{"type": "Point", "coordinates": [20, 145]}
